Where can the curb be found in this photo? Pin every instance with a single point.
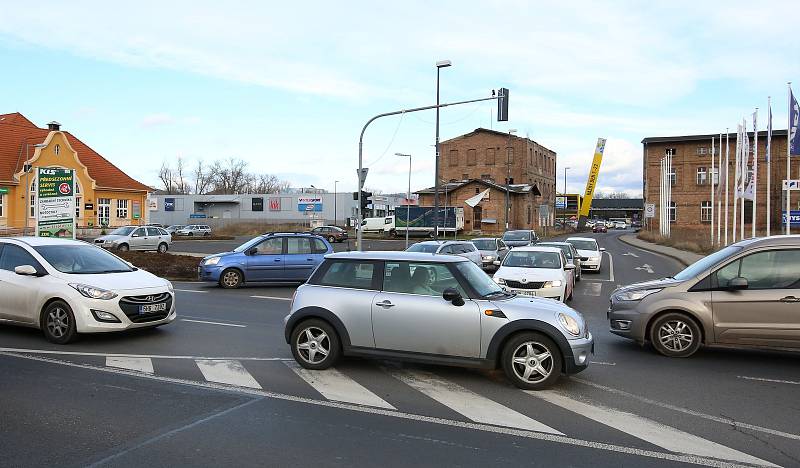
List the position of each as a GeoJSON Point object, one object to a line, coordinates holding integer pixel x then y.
{"type": "Point", "coordinates": [674, 257]}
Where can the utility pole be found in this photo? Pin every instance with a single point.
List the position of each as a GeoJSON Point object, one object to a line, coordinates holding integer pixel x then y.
{"type": "Point", "coordinates": [439, 65]}
{"type": "Point", "coordinates": [508, 172]}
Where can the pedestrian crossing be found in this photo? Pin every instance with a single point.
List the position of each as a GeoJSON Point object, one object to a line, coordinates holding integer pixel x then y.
{"type": "Point", "coordinates": [386, 388]}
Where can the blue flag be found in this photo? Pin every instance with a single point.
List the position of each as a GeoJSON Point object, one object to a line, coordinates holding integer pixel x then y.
{"type": "Point", "coordinates": [794, 123]}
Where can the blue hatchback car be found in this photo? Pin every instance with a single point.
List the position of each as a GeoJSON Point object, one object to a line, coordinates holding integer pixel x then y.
{"type": "Point", "coordinates": [274, 257]}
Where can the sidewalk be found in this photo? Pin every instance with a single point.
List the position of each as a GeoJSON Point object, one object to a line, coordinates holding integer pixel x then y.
{"type": "Point", "coordinates": [684, 257]}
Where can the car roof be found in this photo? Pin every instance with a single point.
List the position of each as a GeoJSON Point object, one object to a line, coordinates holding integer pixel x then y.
{"type": "Point", "coordinates": [581, 238]}
{"type": "Point", "coordinates": [536, 248]}
{"type": "Point", "coordinates": [441, 242]}
{"type": "Point", "coordinates": [548, 243]}
{"type": "Point", "coordinates": [790, 240]}
{"type": "Point", "coordinates": [40, 241]}
{"type": "Point", "coordinates": [397, 256]}
{"type": "Point", "coordinates": [486, 238]}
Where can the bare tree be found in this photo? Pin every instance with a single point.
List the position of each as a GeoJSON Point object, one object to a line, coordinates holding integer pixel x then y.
{"type": "Point", "coordinates": [202, 178]}
{"type": "Point", "coordinates": [613, 195]}
{"type": "Point", "coordinates": [181, 185]}
{"type": "Point", "coordinates": [166, 176]}
{"type": "Point", "coordinates": [229, 176]}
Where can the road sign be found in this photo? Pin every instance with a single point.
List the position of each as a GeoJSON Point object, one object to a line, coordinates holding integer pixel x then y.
{"type": "Point", "coordinates": [794, 184]}
{"type": "Point", "coordinates": [544, 211]}
{"type": "Point", "coordinates": [561, 202]}
{"type": "Point", "coordinates": [362, 177]}
{"type": "Point", "coordinates": [649, 210]}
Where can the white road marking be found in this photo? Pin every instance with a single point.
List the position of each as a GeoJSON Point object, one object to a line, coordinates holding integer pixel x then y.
{"type": "Point", "coordinates": [192, 291]}
{"type": "Point", "coordinates": [592, 289]}
{"type": "Point", "coordinates": [468, 403]}
{"type": "Point", "coordinates": [650, 431]}
{"type": "Point", "coordinates": [630, 254]}
{"type": "Point", "coordinates": [603, 363]}
{"type": "Point", "coordinates": [227, 372]}
{"type": "Point", "coordinates": [131, 363]}
{"type": "Point", "coordinates": [336, 386]}
{"type": "Point", "coordinates": [726, 421]}
{"type": "Point", "coordinates": [214, 323]}
{"type": "Point", "coordinates": [761, 379]}
{"type": "Point", "coordinates": [610, 266]}
{"type": "Point", "coordinates": [646, 268]}
{"type": "Point", "coordinates": [570, 441]}
{"type": "Point", "coordinates": [154, 356]}
{"type": "Point", "coordinates": [273, 297]}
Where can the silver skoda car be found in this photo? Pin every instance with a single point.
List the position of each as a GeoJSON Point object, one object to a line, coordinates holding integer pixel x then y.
{"type": "Point", "coordinates": [435, 309]}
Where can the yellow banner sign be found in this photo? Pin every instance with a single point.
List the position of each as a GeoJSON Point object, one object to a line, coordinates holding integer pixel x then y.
{"type": "Point", "coordinates": [593, 173]}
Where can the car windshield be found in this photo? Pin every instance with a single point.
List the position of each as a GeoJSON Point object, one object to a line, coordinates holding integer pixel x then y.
{"type": "Point", "coordinates": [248, 244]}
{"type": "Point", "coordinates": [175, 226]}
{"type": "Point", "coordinates": [564, 248]}
{"type": "Point", "coordinates": [705, 263]}
{"type": "Point", "coordinates": [532, 259]}
{"type": "Point", "coordinates": [82, 260]}
{"type": "Point", "coordinates": [123, 231]}
{"type": "Point", "coordinates": [485, 244]}
{"type": "Point", "coordinates": [517, 236]}
{"type": "Point", "coordinates": [480, 281]}
{"type": "Point", "coordinates": [424, 248]}
{"type": "Point", "coordinates": [584, 244]}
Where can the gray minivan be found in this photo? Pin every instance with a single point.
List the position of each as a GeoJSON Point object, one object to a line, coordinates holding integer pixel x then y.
{"type": "Point", "coordinates": [745, 295]}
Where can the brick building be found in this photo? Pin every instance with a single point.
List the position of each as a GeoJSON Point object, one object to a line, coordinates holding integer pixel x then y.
{"type": "Point", "coordinates": [484, 159]}
{"type": "Point", "coordinates": [691, 178]}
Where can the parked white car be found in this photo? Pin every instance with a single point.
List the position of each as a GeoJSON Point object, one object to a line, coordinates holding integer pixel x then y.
{"type": "Point", "coordinates": [65, 287]}
{"type": "Point", "coordinates": [194, 230]}
{"type": "Point", "coordinates": [461, 248]}
{"type": "Point", "coordinates": [136, 238]}
{"type": "Point", "coordinates": [537, 271]}
{"type": "Point", "coordinates": [587, 247]}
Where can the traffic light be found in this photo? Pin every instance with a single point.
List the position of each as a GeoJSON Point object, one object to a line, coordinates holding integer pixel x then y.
{"type": "Point", "coordinates": [365, 201]}
{"type": "Point", "coordinates": [502, 105]}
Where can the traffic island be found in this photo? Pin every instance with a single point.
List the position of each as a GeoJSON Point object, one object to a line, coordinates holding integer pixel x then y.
{"type": "Point", "coordinates": [170, 266]}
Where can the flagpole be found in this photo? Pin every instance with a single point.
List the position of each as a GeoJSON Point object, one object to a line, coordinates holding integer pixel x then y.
{"type": "Point", "coordinates": [727, 184]}
{"type": "Point", "coordinates": [737, 166]}
{"type": "Point", "coordinates": [788, 163]}
{"type": "Point", "coordinates": [713, 149]}
{"type": "Point", "coordinates": [755, 170]}
{"type": "Point", "coordinates": [719, 195]}
{"type": "Point", "coordinates": [743, 161]}
{"type": "Point", "coordinates": [661, 197]}
{"type": "Point", "coordinates": [669, 195]}
{"type": "Point", "coordinates": [769, 163]}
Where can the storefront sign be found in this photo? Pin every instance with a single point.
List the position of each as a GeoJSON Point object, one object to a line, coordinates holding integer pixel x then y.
{"type": "Point", "coordinates": [88, 206]}
{"type": "Point", "coordinates": [55, 202]}
{"type": "Point", "coordinates": [257, 204]}
{"type": "Point", "coordinates": [275, 204]}
{"type": "Point", "coordinates": [169, 204]}
{"type": "Point", "coordinates": [3, 190]}
{"type": "Point", "coordinates": [309, 204]}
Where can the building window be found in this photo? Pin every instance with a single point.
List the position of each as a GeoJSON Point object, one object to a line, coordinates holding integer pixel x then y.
{"type": "Point", "coordinates": [490, 156]}
{"type": "Point", "coordinates": [529, 215]}
{"type": "Point", "coordinates": [673, 178]}
{"type": "Point", "coordinates": [453, 157]}
{"type": "Point", "coordinates": [670, 151]}
{"type": "Point", "coordinates": [705, 212]}
{"type": "Point", "coordinates": [702, 150]}
{"type": "Point", "coordinates": [57, 150]}
{"type": "Point", "coordinates": [715, 172]}
{"type": "Point", "coordinates": [702, 178]}
{"type": "Point", "coordinates": [103, 211]}
{"type": "Point", "coordinates": [77, 207]}
{"type": "Point", "coordinates": [77, 187]}
{"type": "Point", "coordinates": [471, 157]}
{"type": "Point", "coordinates": [122, 209]}
{"type": "Point", "coordinates": [477, 190]}
{"type": "Point", "coordinates": [673, 212]}
{"type": "Point", "coordinates": [1, 204]}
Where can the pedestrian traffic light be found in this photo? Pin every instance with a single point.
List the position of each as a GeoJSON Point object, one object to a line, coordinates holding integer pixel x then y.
{"type": "Point", "coordinates": [502, 105]}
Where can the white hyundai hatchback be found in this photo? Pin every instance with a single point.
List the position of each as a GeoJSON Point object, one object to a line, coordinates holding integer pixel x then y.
{"type": "Point", "coordinates": [65, 287]}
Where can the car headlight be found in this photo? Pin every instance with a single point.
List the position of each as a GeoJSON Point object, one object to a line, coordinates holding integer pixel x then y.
{"type": "Point", "coordinates": [94, 293]}
{"type": "Point", "coordinates": [635, 295]}
{"type": "Point", "coordinates": [170, 287]}
{"type": "Point", "coordinates": [569, 324]}
{"type": "Point", "coordinates": [212, 261]}
{"type": "Point", "coordinates": [552, 284]}
{"type": "Point", "coordinates": [488, 257]}
{"type": "Point", "coordinates": [500, 281]}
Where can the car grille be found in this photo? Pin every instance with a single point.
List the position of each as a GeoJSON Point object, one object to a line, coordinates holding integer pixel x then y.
{"type": "Point", "coordinates": [130, 305]}
{"type": "Point", "coordinates": [521, 285]}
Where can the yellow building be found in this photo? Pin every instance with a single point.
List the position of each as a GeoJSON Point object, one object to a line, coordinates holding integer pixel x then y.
{"type": "Point", "coordinates": [105, 196]}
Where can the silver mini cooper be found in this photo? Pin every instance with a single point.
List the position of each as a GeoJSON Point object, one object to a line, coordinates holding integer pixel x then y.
{"type": "Point", "coordinates": [432, 308]}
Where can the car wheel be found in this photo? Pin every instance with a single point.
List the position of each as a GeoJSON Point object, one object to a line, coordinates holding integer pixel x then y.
{"type": "Point", "coordinates": [123, 248]}
{"type": "Point", "coordinates": [162, 247]}
{"type": "Point", "coordinates": [315, 344]}
{"type": "Point", "coordinates": [58, 323]}
{"type": "Point", "coordinates": [675, 335]}
{"type": "Point", "coordinates": [331, 239]}
{"type": "Point", "coordinates": [532, 361]}
{"type": "Point", "coordinates": [191, 234]}
{"type": "Point", "coordinates": [206, 234]}
{"type": "Point", "coordinates": [230, 279]}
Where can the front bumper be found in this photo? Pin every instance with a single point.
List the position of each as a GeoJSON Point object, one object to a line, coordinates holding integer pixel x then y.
{"type": "Point", "coordinates": [626, 321]}
{"type": "Point", "coordinates": [129, 318]}
{"type": "Point", "coordinates": [582, 350]}
{"type": "Point", "coordinates": [591, 264]}
{"type": "Point", "coordinates": [550, 293]}
{"type": "Point", "coordinates": [209, 272]}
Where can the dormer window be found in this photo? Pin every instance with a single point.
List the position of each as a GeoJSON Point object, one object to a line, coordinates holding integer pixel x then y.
{"type": "Point", "coordinates": [57, 150]}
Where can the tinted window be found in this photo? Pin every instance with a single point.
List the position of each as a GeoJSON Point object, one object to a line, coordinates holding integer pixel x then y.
{"type": "Point", "coordinates": [448, 250]}
{"type": "Point", "coordinates": [318, 246]}
{"type": "Point", "coordinates": [424, 248]}
{"type": "Point", "coordinates": [273, 246]}
{"type": "Point", "coordinates": [584, 244]}
{"type": "Point", "coordinates": [141, 232]}
{"type": "Point", "coordinates": [522, 259]}
{"type": "Point", "coordinates": [298, 245]}
{"type": "Point", "coordinates": [83, 260]}
{"type": "Point", "coordinates": [163, 232]}
{"type": "Point", "coordinates": [467, 248]}
{"type": "Point", "coordinates": [566, 249]}
{"type": "Point", "coordinates": [14, 256]}
{"type": "Point", "coordinates": [123, 231]}
{"type": "Point", "coordinates": [427, 279]}
{"type": "Point", "coordinates": [773, 269]}
{"type": "Point", "coordinates": [485, 244]}
{"type": "Point", "coordinates": [517, 236]}
{"type": "Point", "coordinates": [348, 275]}
{"type": "Point", "coordinates": [478, 279]}
{"type": "Point", "coordinates": [705, 263]}
{"type": "Point", "coordinates": [154, 232]}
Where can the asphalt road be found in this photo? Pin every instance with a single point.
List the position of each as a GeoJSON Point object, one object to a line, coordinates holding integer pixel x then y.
{"type": "Point", "coordinates": [218, 387]}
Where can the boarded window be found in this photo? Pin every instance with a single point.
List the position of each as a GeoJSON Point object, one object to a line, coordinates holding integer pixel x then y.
{"type": "Point", "coordinates": [490, 156]}
{"type": "Point", "coordinates": [453, 158]}
{"type": "Point", "coordinates": [471, 157]}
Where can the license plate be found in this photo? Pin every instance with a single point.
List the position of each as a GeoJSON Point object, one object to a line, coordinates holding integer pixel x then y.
{"type": "Point", "coordinates": [146, 309]}
{"type": "Point", "coordinates": [527, 293]}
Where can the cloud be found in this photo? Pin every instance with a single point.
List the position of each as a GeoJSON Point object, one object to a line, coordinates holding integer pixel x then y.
{"type": "Point", "coordinates": [156, 120]}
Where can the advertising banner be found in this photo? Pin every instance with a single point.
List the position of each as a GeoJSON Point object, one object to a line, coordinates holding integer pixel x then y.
{"type": "Point", "coordinates": [309, 204]}
{"type": "Point", "coordinates": [55, 202]}
{"type": "Point", "coordinates": [561, 202]}
{"type": "Point", "coordinates": [169, 204]}
{"type": "Point", "coordinates": [257, 204]}
{"type": "Point", "coordinates": [795, 218]}
{"type": "Point", "coordinates": [136, 210]}
{"type": "Point", "coordinates": [274, 204]}
{"type": "Point", "coordinates": [592, 181]}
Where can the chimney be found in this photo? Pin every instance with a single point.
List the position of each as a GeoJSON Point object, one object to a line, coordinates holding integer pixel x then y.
{"type": "Point", "coordinates": [54, 126]}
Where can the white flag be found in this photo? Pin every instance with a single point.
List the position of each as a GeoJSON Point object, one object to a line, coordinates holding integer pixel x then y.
{"type": "Point", "coordinates": [750, 187]}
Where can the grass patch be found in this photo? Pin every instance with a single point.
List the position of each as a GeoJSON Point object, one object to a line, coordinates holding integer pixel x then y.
{"type": "Point", "coordinates": [256, 229]}
{"type": "Point", "coordinates": [692, 240]}
{"type": "Point", "coordinates": [170, 266]}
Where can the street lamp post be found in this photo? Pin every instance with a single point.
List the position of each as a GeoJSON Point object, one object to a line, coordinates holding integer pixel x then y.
{"type": "Point", "coordinates": [335, 214]}
{"type": "Point", "coordinates": [508, 171]}
{"type": "Point", "coordinates": [439, 65]}
{"type": "Point", "coordinates": [408, 194]}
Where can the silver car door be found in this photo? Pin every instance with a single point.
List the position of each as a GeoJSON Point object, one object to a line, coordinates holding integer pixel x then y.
{"type": "Point", "coordinates": [411, 315]}
{"type": "Point", "coordinates": [138, 239]}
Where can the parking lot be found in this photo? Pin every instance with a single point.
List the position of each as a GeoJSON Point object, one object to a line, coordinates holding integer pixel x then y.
{"type": "Point", "coordinates": [224, 363]}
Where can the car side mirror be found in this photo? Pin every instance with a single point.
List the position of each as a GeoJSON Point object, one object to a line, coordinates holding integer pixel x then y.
{"type": "Point", "coordinates": [738, 284]}
{"type": "Point", "coordinates": [496, 263]}
{"type": "Point", "coordinates": [26, 270]}
{"type": "Point", "coordinates": [569, 266]}
{"type": "Point", "coordinates": [452, 295]}
{"type": "Point", "coordinates": [252, 251]}
{"type": "Point", "coordinates": [602, 249]}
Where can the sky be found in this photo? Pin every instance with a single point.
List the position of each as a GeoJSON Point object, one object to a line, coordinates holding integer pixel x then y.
{"type": "Point", "coordinates": [288, 86]}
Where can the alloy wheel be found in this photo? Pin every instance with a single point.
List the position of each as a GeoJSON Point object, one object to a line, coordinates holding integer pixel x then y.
{"type": "Point", "coordinates": [532, 362]}
{"type": "Point", "coordinates": [675, 335]}
{"type": "Point", "coordinates": [313, 345]}
{"type": "Point", "coordinates": [57, 322]}
{"type": "Point", "coordinates": [231, 279]}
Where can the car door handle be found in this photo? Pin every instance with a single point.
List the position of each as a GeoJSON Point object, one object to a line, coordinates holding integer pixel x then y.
{"type": "Point", "coordinates": [384, 304]}
{"type": "Point", "coordinates": [277, 260]}
{"type": "Point", "coordinates": [790, 299]}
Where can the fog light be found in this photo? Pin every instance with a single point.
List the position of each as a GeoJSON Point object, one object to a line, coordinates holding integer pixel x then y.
{"type": "Point", "coordinates": [622, 324]}
{"type": "Point", "coordinates": [103, 316]}
{"type": "Point", "coordinates": [582, 357]}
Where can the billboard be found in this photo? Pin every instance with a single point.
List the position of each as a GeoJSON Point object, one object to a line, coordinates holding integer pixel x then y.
{"type": "Point", "coordinates": [794, 220]}
{"type": "Point", "coordinates": [309, 204]}
{"type": "Point", "coordinates": [257, 204]}
{"type": "Point", "coordinates": [274, 204]}
{"type": "Point", "coordinates": [586, 205]}
{"type": "Point", "coordinates": [55, 202]}
{"type": "Point", "coordinates": [169, 204]}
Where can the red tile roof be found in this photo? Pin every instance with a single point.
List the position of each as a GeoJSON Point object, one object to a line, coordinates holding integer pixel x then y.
{"type": "Point", "coordinates": [16, 131]}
